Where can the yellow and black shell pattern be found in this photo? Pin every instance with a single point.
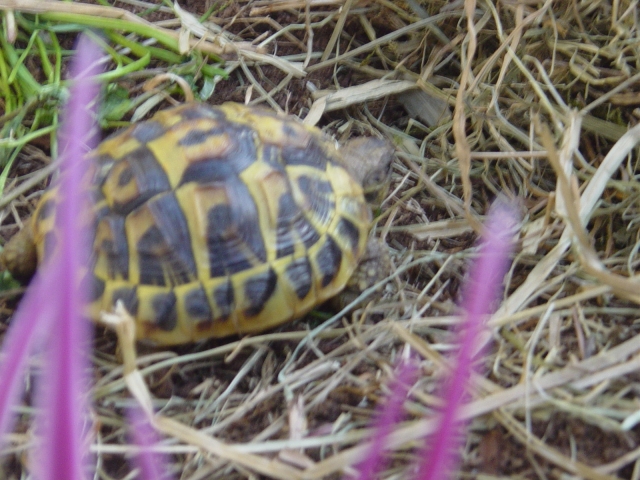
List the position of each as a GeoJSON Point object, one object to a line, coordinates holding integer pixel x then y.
{"type": "Point", "coordinates": [212, 221]}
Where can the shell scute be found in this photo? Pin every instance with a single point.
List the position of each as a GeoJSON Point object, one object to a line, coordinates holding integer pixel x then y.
{"type": "Point", "coordinates": [258, 290]}
{"type": "Point", "coordinates": [111, 251]}
{"type": "Point", "coordinates": [134, 180]}
{"type": "Point", "coordinates": [311, 155]}
{"type": "Point", "coordinates": [125, 293]}
{"type": "Point", "coordinates": [164, 310]}
{"type": "Point", "coordinates": [224, 297]}
{"type": "Point", "coordinates": [300, 276]}
{"type": "Point", "coordinates": [348, 234]}
{"type": "Point", "coordinates": [316, 198]}
{"type": "Point", "coordinates": [160, 243]}
{"type": "Point", "coordinates": [146, 132]}
{"type": "Point", "coordinates": [94, 286]}
{"type": "Point", "coordinates": [196, 304]}
{"type": "Point", "coordinates": [233, 241]}
{"type": "Point", "coordinates": [328, 260]}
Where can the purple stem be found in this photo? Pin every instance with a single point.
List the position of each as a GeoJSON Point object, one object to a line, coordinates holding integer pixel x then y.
{"type": "Point", "coordinates": [483, 288]}
{"type": "Point", "coordinates": [30, 325]}
{"type": "Point", "coordinates": [65, 386]}
{"type": "Point", "coordinates": [152, 466]}
{"type": "Point", "coordinates": [387, 417]}
{"type": "Point", "coordinates": [39, 310]}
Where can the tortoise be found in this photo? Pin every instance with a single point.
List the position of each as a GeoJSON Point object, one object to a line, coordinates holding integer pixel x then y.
{"type": "Point", "coordinates": [213, 221]}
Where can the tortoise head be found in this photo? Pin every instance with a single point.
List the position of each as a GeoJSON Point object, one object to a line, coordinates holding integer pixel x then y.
{"type": "Point", "coordinates": [368, 160]}
{"type": "Point", "coordinates": [19, 255]}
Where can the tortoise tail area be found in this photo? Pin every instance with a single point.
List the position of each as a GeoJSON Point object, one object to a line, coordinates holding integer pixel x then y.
{"type": "Point", "coordinates": [19, 255]}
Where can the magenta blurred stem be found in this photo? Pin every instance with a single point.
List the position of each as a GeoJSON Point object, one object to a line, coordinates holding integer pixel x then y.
{"type": "Point", "coordinates": [32, 322]}
{"type": "Point", "coordinates": [387, 416]}
{"type": "Point", "coordinates": [152, 466]}
{"type": "Point", "coordinates": [485, 283]}
{"type": "Point", "coordinates": [51, 293]}
{"type": "Point", "coordinates": [62, 397]}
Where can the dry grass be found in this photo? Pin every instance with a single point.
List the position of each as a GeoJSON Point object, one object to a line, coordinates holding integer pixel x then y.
{"type": "Point", "coordinates": [537, 100]}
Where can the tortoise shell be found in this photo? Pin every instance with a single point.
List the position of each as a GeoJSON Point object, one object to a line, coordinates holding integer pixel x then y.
{"type": "Point", "coordinates": [211, 221]}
